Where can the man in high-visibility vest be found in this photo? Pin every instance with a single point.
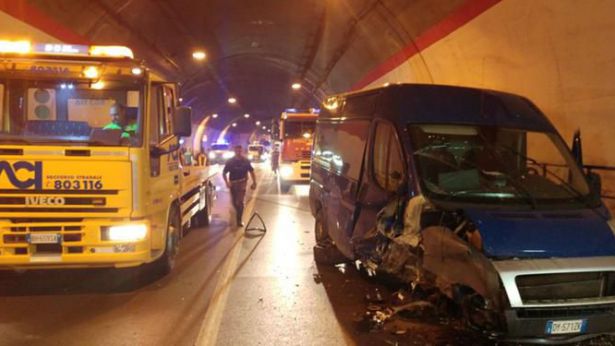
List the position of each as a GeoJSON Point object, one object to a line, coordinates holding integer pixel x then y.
{"type": "Point", "coordinates": [121, 121]}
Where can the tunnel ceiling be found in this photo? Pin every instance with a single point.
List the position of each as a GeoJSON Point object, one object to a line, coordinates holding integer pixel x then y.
{"type": "Point", "coordinates": [256, 49]}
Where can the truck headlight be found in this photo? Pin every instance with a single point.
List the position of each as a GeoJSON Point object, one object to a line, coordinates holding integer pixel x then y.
{"type": "Point", "coordinates": [212, 155]}
{"type": "Point", "coordinates": [286, 171]}
{"type": "Point", "coordinates": [128, 233]}
{"type": "Point", "coordinates": [228, 155]}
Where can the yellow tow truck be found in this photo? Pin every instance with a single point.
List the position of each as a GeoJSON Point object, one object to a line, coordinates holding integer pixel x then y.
{"type": "Point", "coordinates": [90, 174]}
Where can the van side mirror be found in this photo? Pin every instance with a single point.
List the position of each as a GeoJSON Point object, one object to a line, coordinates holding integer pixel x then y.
{"type": "Point", "coordinates": [182, 122]}
{"type": "Point", "coordinates": [577, 147]}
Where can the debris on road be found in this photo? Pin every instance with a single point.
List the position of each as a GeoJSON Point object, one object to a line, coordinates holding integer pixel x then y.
{"type": "Point", "coordinates": [374, 296]}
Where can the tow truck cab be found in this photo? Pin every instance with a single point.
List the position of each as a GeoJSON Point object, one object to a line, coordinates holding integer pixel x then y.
{"type": "Point", "coordinates": [472, 192]}
{"type": "Point", "coordinates": [78, 188]}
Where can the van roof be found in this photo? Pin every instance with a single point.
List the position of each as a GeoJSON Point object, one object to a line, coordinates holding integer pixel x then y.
{"type": "Point", "coordinates": [444, 104]}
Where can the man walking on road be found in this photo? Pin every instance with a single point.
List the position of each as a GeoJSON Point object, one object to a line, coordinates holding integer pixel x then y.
{"type": "Point", "coordinates": [237, 169]}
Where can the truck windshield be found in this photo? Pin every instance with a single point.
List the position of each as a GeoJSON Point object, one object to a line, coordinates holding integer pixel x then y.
{"type": "Point", "coordinates": [484, 164]}
{"type": "Point", "coordinates": [61, 112]}
{"type": "Point", "coordinates": [299, 129]}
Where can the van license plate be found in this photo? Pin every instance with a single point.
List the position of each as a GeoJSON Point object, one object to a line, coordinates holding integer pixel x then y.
{"type": "Point", "coordinates": [44, 238]}
{"type": "Point", "coordinates": [566, 327]}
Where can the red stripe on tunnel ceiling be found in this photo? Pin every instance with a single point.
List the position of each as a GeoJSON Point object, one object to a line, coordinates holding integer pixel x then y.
{"type": "Point", "coordinates": [461, 16]}
{"type": "Point", "coordinates": [31, 15]}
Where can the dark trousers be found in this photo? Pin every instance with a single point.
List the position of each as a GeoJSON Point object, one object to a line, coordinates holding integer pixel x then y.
{"type": "Point", "coordinates": [238, 195]}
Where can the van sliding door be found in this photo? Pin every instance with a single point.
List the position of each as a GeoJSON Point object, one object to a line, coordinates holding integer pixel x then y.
{"type": "Point", "coordinates": [339, 151]}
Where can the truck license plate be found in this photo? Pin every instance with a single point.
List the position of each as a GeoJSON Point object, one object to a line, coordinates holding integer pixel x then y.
{"type": "Point", "coordinates": [566, 327]}
{"type": "Point", "coordinates": [44, 238]}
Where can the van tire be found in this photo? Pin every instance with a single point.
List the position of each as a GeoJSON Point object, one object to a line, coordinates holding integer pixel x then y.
{"type": "Point", "coordinates": [166, 262]}
{"type": "Point", "coordinates": [321, 234]}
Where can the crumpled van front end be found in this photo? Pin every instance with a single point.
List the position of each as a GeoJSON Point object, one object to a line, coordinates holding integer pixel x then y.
{"type": "Point", "coordinates": [557, 271]}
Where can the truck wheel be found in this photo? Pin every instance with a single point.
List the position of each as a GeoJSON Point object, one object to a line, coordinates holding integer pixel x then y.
{"type": "Point", "coordinates": [284, 186]}
{"type": "Point", "coordinates": [203, 217]}
{"type": "Point", "coordinates": [166, 263]}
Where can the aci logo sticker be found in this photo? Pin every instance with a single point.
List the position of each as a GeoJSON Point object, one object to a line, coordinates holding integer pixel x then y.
{"type": "Point", "coordinates": [34, 179]}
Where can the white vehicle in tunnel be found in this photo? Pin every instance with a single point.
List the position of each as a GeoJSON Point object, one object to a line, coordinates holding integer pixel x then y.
{"type": "Point", "coordinates": [219, 153]}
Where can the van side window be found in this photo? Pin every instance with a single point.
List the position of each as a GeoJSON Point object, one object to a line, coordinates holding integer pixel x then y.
{"type": "Point", "coordinates": [388, 162]}
{"type": "Point", "coordinates": [339, 146]}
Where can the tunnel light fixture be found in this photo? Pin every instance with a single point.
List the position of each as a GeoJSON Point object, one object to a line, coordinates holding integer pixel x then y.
{"type": "Point", "coordinates": [296, 86]}
{"type": "Point", "coordinates": [199, 55]}
{"type": "Point", "coordinates": [215, 115]}
{"type": "Point", "coordinates": [137, 71]}
{"type": "Point", "coordinates": [232, 100]}
{"type": "Point", "coordinates": [264, 127]}
{"type": "Point", "coordinates": [234, 124]}
{"type": "Point", "coordinates": [247, 116]}
{"type": "Point", "coordinates": [258, 122]}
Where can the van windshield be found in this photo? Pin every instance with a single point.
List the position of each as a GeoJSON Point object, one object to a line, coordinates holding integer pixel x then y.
{"type": "Point", "coordinates": [70, 112]}
{"type": "Point", "coordinates": [486, 164]}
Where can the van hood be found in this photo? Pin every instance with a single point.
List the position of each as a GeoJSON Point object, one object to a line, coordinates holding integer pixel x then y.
{"type": "Point", "coordinates": [544, 234]}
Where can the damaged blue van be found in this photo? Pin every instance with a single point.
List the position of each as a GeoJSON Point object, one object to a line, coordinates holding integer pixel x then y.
{"type": "Point", "coordinates": [471, 192]}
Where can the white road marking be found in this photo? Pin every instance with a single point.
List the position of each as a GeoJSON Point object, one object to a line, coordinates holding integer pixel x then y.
{"type": "Point", "coordinates": [208, 334]}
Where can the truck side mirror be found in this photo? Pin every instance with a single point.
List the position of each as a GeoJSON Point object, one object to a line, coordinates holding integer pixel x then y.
{"type": "Point", "coordinates": [182, 122]}
{"type": "Point", "coordinates": [577, 148]}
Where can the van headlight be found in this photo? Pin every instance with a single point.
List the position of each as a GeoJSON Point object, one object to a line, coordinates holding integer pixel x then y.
{"type": "Point", "coordinates": [129, 233]}
{"type": "Point", "coordinates": [228, 155]}
{"type": "Point", "coordinates": [286, 171]}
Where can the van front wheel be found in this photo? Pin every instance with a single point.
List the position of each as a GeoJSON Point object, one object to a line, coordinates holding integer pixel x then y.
{"type": "Point", "coordinates": [320, 231]}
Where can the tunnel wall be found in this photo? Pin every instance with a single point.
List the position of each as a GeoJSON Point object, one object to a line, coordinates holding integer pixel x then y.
{"type": "Point", "coordinates": [12, 28]}
{"type": "Point", "coordinates": [560, 54]}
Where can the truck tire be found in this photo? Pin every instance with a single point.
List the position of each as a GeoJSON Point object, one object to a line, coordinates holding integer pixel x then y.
{"type": "Point", "coordinates": [166, 262]}
{"type": "Point", "coordinates": [284, 186]}
{"type": "Point", "coordinates": [203, 217]}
